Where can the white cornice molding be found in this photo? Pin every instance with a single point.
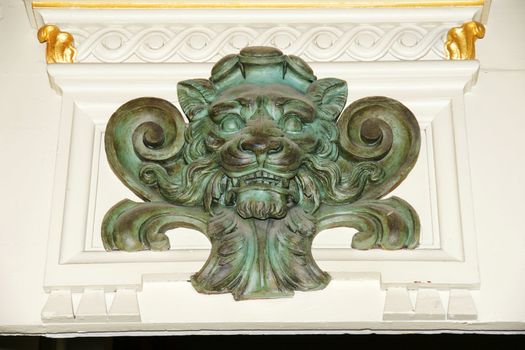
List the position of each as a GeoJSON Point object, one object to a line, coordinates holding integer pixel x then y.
{"type": "Point", "coordinates": [174, 35]}
{"type": "Point", "coordinates": [421, 78]}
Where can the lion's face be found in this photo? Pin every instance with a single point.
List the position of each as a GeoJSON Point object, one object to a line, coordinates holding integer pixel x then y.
{"type": "Point", "coordinates": [262, 138]}
{"type": "Point", "coordinates": [261, 135]}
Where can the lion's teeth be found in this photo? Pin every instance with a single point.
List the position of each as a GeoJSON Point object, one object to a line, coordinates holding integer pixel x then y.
{"type": "Point", "coordinates": [235, 182]}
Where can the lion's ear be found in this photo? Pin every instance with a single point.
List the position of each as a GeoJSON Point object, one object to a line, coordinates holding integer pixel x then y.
{"type": "Point", "coordinates": [194, 96]}
{"type": "Point", "coordinates": [329, 95]}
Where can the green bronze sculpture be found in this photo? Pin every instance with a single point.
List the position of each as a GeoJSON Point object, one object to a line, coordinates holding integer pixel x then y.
{"type": "Point", "coordinates": [266, 162]}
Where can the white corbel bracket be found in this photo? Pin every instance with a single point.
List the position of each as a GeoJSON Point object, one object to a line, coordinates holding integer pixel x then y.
{"type": "Point", "coordinates": [404, 50]}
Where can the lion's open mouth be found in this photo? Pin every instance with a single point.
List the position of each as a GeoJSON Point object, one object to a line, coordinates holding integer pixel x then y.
{"type": "Point", "coordinates": [260, 179]}
{"type": "Point", "coordinates": [260, 194]}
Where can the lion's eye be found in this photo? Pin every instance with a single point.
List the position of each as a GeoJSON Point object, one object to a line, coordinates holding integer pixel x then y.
{"type": "Point", "coordinates": [231, 124]}
{"type": "Point", "coordinates": [293, 124]}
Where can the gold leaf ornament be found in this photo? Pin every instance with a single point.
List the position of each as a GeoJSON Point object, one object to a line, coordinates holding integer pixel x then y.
{"type": "Point", "coordinates": [461, 41]}
{"type": "Point", "coordinates": [60, 45]}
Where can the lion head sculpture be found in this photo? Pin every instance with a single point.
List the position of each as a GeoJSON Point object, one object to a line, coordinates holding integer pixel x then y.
{"type": "Point", "coordinates": [265, 162]}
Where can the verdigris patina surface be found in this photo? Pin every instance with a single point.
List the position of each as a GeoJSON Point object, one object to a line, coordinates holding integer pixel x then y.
{"type": "Point", "coordinates": [266, 162]}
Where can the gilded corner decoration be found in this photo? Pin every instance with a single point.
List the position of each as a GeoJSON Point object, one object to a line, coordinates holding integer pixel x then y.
{"type": "Point", "coordinates": [461, 41]}
{"type": "Point", "coordinates": [269, 158]}
{"type": "Point", "coordinates": [60, 45]}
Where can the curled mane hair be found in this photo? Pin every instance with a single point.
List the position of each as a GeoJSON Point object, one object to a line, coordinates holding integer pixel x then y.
{"type": "Point", "coordinates": [197, 182]}
{"type": "Point", "coordinates": [201, 181]}
{"type": "Point", "coordinates": [196, 177]}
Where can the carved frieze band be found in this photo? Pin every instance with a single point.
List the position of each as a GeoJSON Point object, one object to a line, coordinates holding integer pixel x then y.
{"type": "Point", "coordinates": [207, 43]}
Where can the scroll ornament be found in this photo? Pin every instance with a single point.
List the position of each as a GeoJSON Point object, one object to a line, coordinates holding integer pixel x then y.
{"type": "Point", "coordinates": [60, 45]}
{"type": "Point", "coordinates": [266, 162]}
{"type": "Point", "coordinates": [461, 41]}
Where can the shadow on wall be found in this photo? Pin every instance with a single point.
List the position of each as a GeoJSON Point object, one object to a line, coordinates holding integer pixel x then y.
{"type": "Point", "coordinates": [426, 341]}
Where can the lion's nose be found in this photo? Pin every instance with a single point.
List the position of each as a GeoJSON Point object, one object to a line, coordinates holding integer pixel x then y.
{"type": "Point", "coordinates": [261, 145]}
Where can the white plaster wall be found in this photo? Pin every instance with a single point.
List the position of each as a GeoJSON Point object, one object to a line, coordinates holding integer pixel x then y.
{"type": "Point", "coordinates": [496, 135]}
{"type": "Point", "coordinates": [29, 113]}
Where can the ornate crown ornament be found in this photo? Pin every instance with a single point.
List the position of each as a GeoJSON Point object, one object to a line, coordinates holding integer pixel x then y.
{"type": "Point", "coordinates": [266, 162]}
